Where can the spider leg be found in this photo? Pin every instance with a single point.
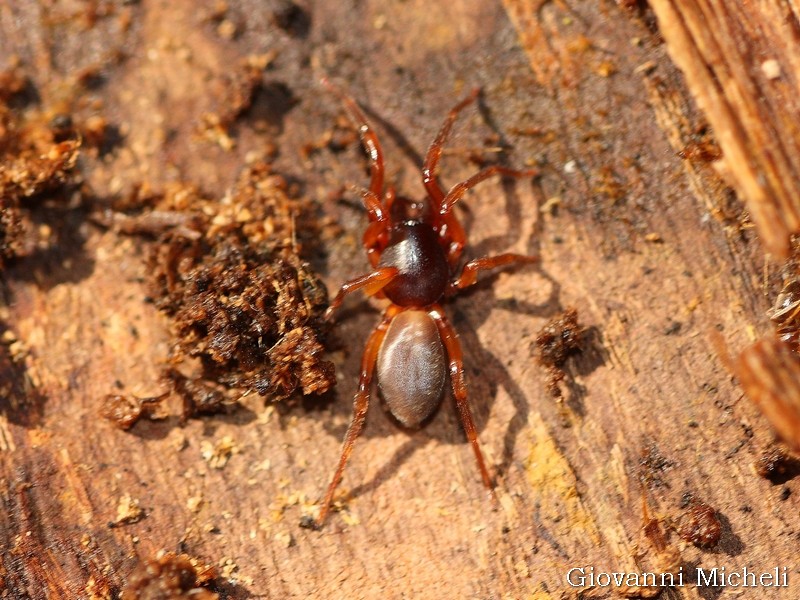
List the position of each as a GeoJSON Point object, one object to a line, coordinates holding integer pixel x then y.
{"type": "Point", "coordinates": [376, 235]}
{"type": "Point", "coordinates": [368, 138]}
{"type": "Point", "coordinates": [371, 283]}
{"type": "Point", "coordinates": [459, 189]}
{"type": "Point", "coordinates": [454, 354]}
{"type": "Point", "coordinates": [360, 406]}
{"type": "Point", "coordinates": [435, 150]}
{"type": "Point", "coordinates": [449, 227]}
{"type": "Point", "coordinates": [469, 274]}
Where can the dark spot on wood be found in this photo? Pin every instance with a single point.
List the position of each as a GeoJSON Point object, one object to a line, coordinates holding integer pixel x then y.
{"type": "Point", "coordinates": [560, 338]}
{"type": "Point", "coordinates": [778, 464]}
{"type": "Point", "coordinates": [698, 524]}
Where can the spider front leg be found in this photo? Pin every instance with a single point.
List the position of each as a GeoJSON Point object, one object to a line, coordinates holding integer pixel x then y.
{"type": "Point", "coordinates": [469, 274]}
{"type": "Point", "coordinates": [371, 283]}
{"type": "Point", "coordinates": [454, 354]}
{"type": "Point", "coordinates": [360, 406]}
{"type": "Point", "coordinates": [458, 190]}
{"type": "Point", "coordinates": [435, 150]}
{"type": "Point", "coordinates": [377, 233]}
{"type": "Point", "coordinates": [450, 228]}
{"type": "Point", "coordinates": [368, 137]}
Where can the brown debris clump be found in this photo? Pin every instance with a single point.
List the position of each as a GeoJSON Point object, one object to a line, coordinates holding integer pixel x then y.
{"type": "Point", "coordinates": [33, 160]}
{"type": "Point", "coordinates": [241, 299]}
{"type": "Point", "coordinates": [33, 171]}
{"type": "Point", "coordinates": [559, 339]}
{"type": "Point", "coordinates": [170, 577]}
{"type": "Point", "coordinates": [652, 466]}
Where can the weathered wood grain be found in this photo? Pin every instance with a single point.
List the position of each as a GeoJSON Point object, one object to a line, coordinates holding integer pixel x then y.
{"type": "Point", "coordinates": [742, 66]}
{"type": "Point", "coordinates": [768, 371]}
{"type": "Point", "coordinates": [648, 246]}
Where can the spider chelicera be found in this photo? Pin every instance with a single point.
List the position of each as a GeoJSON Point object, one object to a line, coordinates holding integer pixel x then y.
{"type": "Point", "coordinates": [414, 248]}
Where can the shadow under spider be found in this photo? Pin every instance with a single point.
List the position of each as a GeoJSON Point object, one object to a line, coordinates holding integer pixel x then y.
{"type": "Point", "coordinates": [486, 374]}
{"type": "Point", "coordinates": [414, 442]}
{"type": "Point", "coordinates": [158, 429]}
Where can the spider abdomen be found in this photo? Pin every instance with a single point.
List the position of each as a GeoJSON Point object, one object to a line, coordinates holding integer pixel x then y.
{"type": "Point", "coordinates": [415, 250]}
{"type": "Point", "coordinates": [412, 367]}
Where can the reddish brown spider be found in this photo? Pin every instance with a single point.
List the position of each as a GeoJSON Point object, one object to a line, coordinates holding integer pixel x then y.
{"type": "Point", "coordinates": [414, 248]}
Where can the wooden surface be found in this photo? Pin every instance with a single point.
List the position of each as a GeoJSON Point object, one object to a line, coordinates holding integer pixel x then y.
{"type": "Point", "coordinates": [651, 248]}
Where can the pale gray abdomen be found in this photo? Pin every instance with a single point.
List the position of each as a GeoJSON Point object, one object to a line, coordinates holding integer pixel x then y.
{"type": "Point", "coordinates": [412, 367]}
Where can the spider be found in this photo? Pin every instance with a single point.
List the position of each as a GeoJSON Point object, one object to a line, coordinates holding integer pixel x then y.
{"type": "Point", "coordinates": [414, 248]}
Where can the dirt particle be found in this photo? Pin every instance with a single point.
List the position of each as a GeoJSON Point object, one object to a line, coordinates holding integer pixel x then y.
{"type": "Point", "coordinates": [702, 147]}
{"type": "Point", "coordinates": [219, 453]}
{"type": "Point", "coordinates": [771, 69]}
{"type": "Point", "coordinates": [195, 503]}
{"type": "Point", "coordinates": [699, 524]}
{"type": "Point", "coordinates": [125, 411]}
{"type": "Point", "coordinates": [777, 464]}
{"type": "Point", "coordinates": [170, 577]}
{"type": "Point", "coordinates": [284, 539]}
{"type": "Point", "coordinates": [128, 511]}
{"type": "Point", "coordinates": [654, 238]}
{"type": "Point", "coordinates": [606, 69]}
{"type": "Point", "coordinates": [228, 568]}
{"type": "Point", "coordinates": [652, 464]}
{"type": "Point", "coordinates": [559, 339]}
